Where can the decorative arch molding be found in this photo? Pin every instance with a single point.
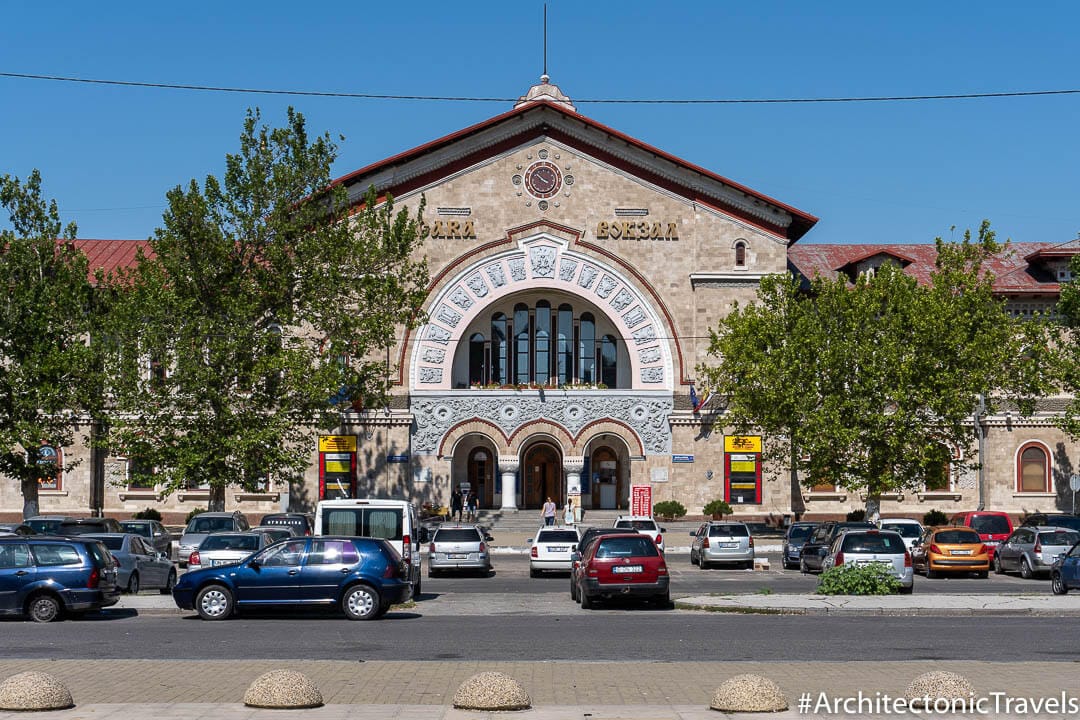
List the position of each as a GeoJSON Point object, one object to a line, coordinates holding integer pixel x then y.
{"type": "Point", "coordinates": [473, 426]}
{"type": "Point", "coordinates": [530, 432]}
{"type": "Point", "coordinates": [540, 257]}
{"type": "Point", "coordinates": [611, 428]}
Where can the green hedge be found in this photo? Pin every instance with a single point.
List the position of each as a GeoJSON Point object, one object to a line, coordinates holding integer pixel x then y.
{"type": "Point", "coordinates": [868, 579]}
{"type": "Point", "coordinates": [716, 507]}
{"type": "Point", "coordinates": [669, 508]}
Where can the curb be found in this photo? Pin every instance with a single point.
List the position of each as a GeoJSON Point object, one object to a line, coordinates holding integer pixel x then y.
{"type": "Point", "coordinates": [879, 612]}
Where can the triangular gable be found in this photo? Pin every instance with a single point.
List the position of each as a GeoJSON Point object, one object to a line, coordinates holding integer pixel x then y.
{"type": "Point", "coordinates": [873, 259]}
{"type": "Point", "coordinates": [429, 163]}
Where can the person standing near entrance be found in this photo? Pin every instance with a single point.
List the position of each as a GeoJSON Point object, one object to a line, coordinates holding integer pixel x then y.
{"type": "Point", "coordinates": [455, 505]}
{"type": "Point", "coordinates": [548, 512]}
{"type": "Point", "coordinates": [568, 514]}
{"type": "Point", "coordinates": [470, 506]}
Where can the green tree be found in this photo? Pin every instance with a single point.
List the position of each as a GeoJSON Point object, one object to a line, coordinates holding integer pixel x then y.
{"type": "Point", "coordinates": [262, 310]}
{"type": "Point", "coordinates": [46, 367]}
{"type": "Point", "coordinates": [1068, 312]}
{"type": "Point", "coordinates": [871, 386]}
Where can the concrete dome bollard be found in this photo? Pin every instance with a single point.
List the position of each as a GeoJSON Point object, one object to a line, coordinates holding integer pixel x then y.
{"type": "Point", "coordinates": [34, 691]}
{"type": "Point", "coordinates": [748, 693]}
{"type": "Point", "coordinates": [491, 691]}
{"type": "Point", "coordinates": [283, 689]}
{"type": "Point", "coordinates": [939, 685]}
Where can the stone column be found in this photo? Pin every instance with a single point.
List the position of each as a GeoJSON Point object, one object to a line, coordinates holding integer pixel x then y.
{"type": "Point", "coordinates": [508, 465]}
{"type": "Point", "coordinates": [573, 465]}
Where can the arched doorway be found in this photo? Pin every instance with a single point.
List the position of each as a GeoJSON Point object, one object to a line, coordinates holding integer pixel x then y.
{"type": "Point", "coordinates": [480, 472]}
{"type": "Point", "coordinates": [542, 475]}
{"type": "Point", "coordinates": [608, 484]}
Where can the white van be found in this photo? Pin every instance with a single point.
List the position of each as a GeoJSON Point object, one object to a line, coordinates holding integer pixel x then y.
{"type": "Point", "coordinates": [392, 520]}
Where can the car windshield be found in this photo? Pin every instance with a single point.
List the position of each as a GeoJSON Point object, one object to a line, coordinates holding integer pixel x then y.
{"type": "Point", "coordinates": [956, 537]}
{"type": "Point", "coordinates": [626, 547]}
{"type": "Point", "coordinates": [230, 542]}
{"type": "Point", "coordinates": [558, 536]}
{"type": "Point", "coordinates": [1060, 537]}
{"type": "Point", "coordinates": [647, 525]}
{"type": "Point", "coordinates": [728, 530]}
{"type": "Point", "coordinates": [139, 528]}
{"type": "Point", "coordinates": [83, 528]}
{"type": "Point", "coordinates": [908, 530]}
{"type": "Point", "coordinates": [44, 527]}
{"type": "Point", "coordinates": [209, 524]}
{"type": "Point", "coordinates": [990, 524]}
{"type": "Point", "coordinates": [800, 532]}
{"type": "Point", "coordinates": [457, 535]}
{"type": "Point", "coordinates": [1066, 521]}
{"type": "Point", "coordinates": [113, 543]}
{"type": "Point", "coordinates": [883, 543]}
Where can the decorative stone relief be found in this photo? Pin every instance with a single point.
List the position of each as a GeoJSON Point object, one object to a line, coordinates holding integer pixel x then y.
{"type": "Point", "coordinates": [495, 272]}
{"type": "Point", "coordinates": [634, 318]}
{"type": "Point", "coordinates": [449, 316]}
{"type": "Point", "coordinates": [517, 268]}
{"type": "Point", "coordinates": [509, 463]}
{"type": "Point", "coordinates": [652, 375]}
{"type": "Point", "coordinates": [477, 284]}
{"type": "Point", "coordinates": [116, 472]}
{"type": "Point", "coordinates": [430, 375]}
{"type": "Point", "coordinates": [438, 334]}
{"type": "Point", "coordinates": [543, 261]}
{"type": "Point", "coordinates": [573, 463]}
{"type": "Point", "coordinates": [434, 416]}
{"type": "Point", "coordinates": [649, 355]}
{"type": "Point", "coordinates": [645, 334]}
{"type": "Point", "coordinates": [433, 355]}
{"type": "Point", "coordinates": [461, 298]}
{"type": "Point", "coordinates": [567, 268]}
{"type": "Point", "coordinates": [622, 300]}
{"type": "Point", "coordinates": [606, 286]}
{"type": "Point", "coordinates": [588, 274]}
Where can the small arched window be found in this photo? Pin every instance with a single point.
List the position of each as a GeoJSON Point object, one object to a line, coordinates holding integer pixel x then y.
{"type": "Point", "coordinates": [543, 342]}
{"type": "Point", "coordinates": [477, 367]}
{"type": "Point", "coordinates": [565, 345]}
{"type": "Point", "coordinates": [1033, 470]}
{"type": "Point", "coordinates": [499, 372]}
{"type": "Point", "coordinates": [521, 344]}
{"type": "Point", "coordinates": [740, 254]}
{"type": "Point", "coordinates": [609, 354]}
{"type": "Point", "coordinates": [587, 349]}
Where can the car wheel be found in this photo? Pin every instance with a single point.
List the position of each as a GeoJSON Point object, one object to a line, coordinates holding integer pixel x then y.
{"type": "Point", "coordinates": [44, 608]}
{"type": "Point", "coordinates": [702, 563]}
{"type": "Point", "coordinates": [417, 586]}
{"type": "Point", "coordinates": [214, 602]}
{"type": "Point", "coordinates": [929, 573]}
{"type": "Point", "coordinates": [802, 566]}
{"type": "Point", "coordinates": [534, 573]}
{"type": "Point", "coordinates": [982, 574]}
{"type": "Point", "coordinates": [361, 602]}
{"type": "Point", "coordinates": [997, 565]}
{"type": "Point", "coordinates": [907, 590]}
{"type": "Point", "coordinates": [1025, 569]}
{"type": "Point", "coordinates": [587, 602]}
{"type": "Point", "coordinates": [170, 583]}
{"type": "Point", "coordinates": [1057, 585]}
{"type": "Point", "coordinates": [663, 600]}
{"type": "Point", "coordinates": [133, 584]}
{"type": "Point", "coordinates": [383, 609]}
{"type": "Point", "coordinates": [749, 564]}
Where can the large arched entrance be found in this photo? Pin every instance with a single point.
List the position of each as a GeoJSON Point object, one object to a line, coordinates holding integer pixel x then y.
{"type": "Point", "coordinates": [480, 472]}
{"type": "Point", "coordinates": [542, 475]}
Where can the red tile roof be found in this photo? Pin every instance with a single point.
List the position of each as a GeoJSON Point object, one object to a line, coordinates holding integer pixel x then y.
{"type": "Point", "coordinates": [110, 255]}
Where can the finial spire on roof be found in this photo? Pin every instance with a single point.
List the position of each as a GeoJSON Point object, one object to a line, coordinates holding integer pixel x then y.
{"type": "Point", "coordinates": [546, 92]}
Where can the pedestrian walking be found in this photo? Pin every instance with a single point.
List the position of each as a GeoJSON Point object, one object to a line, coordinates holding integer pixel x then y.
{"type": "Point", "coordinates": [471, 506]}
{"type": "Point", "coordinates": [455, 505]}
{"type": "Point", "coordinates": [548, 512]}
{"type": "Point", "coordinates": [568, 514]}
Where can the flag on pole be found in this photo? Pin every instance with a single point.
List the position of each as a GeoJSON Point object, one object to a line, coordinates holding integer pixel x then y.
{"type": "Point", "coordinates": [693, 398]}
{"type": "Point", "coordinates": [704, 399]}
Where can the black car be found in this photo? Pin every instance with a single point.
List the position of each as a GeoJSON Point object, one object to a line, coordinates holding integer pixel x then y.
{"type": "Point", "coordinates": [816, 548]}
{"type": "Point", "coordinates": [88, 526]}
{"type": "Point", "coordinates": [301, 523]}
{"type": "Point", "coordinates": [794, 539]}
{"type": "Point", "coordinates": [1052, 520]}
{"type": "Point", "coordinates": [44, 577]}
{"type": "Point", "coordinates": [153, 532]}
{"type": "Point", "coordinates": [16, 529]}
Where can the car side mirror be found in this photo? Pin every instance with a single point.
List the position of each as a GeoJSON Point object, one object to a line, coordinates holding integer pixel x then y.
{"type": "Point", "coordinates": [162, 556]}
{"type": "Point", "coordinates": [254, 564]}
{"type": "Point", "coordinates": [693, 534]}
{"type": "Point", "coordinates": [488, 538]}
{"type": "Point", "coordinates": [663, 530]}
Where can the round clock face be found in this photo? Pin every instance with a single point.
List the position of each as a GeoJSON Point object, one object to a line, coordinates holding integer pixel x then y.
{"type": "Point", "coordinates": [543, 180]}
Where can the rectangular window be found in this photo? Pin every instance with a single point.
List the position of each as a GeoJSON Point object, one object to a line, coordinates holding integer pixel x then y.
{"type": "Point", "coordinates": [140, 475]}
{"type": "Point", "coordinates": [383, 523]}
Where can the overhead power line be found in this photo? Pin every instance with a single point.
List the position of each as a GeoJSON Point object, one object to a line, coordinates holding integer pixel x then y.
{"type": "Point", "coordinates": [465, 98]}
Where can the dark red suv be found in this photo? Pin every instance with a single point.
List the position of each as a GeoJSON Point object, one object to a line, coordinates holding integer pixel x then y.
{"type": "Point", "coordinates": [624, 565]}
{"type": "Point", "coordinates": [993, 527]}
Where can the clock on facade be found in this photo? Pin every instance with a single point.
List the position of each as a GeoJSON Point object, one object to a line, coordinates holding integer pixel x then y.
{"type": "Point", "coordinates": [543, 180]}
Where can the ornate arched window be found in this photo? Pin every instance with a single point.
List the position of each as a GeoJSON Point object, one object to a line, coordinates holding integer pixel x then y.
{"type": "Point", "coordinates": [587, 349]}
{"type": "Point", "coordinates": [1032, 469]}
{"type": "Point", "coordinates": [564, 348]}
{"type": "Point", "coordinates": [478, 374]}
{"type": "Point", "coordinates": [543, 342]}
{"type": "Point", "coordinates": [499, 369]}
{"type": "Point", "coordinates": [740, 254]}
{"type": "Point", "coordinates": [522, 370]}
{"type": "Point", "coordinates": [609, 354]}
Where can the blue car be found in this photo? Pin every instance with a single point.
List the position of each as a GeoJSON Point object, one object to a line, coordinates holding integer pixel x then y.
{"type": "Point", "coordinates": [1065, 572]}
{"type": "Point", "coordinates": [362, 576]}
{"type": "Point", "coordinates": [44, 577]}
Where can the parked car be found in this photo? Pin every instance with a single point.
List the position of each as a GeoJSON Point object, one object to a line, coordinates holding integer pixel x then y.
{"type": "Point", "coordinates": [46, 524]}
{"type": "Point", "coordinates": [459, 547]}
{"type": "Point", "coordinates": [202, 525]}
{"type": "Point", "coordinates": [625, 565]}
{"type": "Point", "coordinates": [140, 565]}
{"type": "Point", "coordinates": [1065, 573]}
{"type": "Point", "coordinates": [16, 529]}
{"type": "Point", "coordinates": [951, 549]}
{"type": "Point", "coordinates": [1062, 520]}
{"type": "Point", "coordinates": [764, 529]}
{"type": "Point", "coordinates": [153, 532]}
{"type": "Point", "coordinates": [276, 532]}
{"type": "Point", "coordinates": [862, 547]}
{"type": "Point", "coordinates": [302, 523]}
{"type": "Point", "coordinates": [45, 577]}
{"type": "Point", "coordinates": [794, 539]}
{"type": "Point", "coordinates": [226, 548]}
{"type": "Point", "coordinates": [722, 542]}
{"type": "Point", "coordinates": [552, 548]}
{"type": "Point", "coordinates": [816, 548]}
{"type": "Point", "coordinates": [588, 537]}
{"type": "Point", "coordinates": [644, 525]}
{"type": "Point", "coordinates": [909, 529]}
{"type": "Point", "coordinates": [363, 576]}
{"type": "Point", "coordinates": [993, 526]}
{"type": "Point", "coordinates": [88, 526]}
{"type": "Point", "coordinates": [1033, 550]}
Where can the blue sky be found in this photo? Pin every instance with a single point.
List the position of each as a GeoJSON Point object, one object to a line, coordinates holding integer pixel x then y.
{"type": "Point", "coordinates": [873, 172]}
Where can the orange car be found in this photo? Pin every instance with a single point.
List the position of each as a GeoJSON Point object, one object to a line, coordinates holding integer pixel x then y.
{"type": "Point", "coordinates": [950, 549]}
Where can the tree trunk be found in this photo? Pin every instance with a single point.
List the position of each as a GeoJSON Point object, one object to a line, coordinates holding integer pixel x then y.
{"type": "Point", "coordinates": [30, 497]}
{"type": "Point", "coordinates": [798, 507]}
{"type": "Point", "coordinates": [217, 498]}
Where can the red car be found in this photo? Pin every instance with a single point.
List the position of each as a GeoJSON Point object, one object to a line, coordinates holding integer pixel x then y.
{"type": "Point", "coordinates": [993, 527]}
{"type": "Point", "coordinates": [625, 565]}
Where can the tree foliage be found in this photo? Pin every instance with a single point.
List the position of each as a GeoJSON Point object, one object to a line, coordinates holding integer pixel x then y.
{"type": "Point", "coordinates": [258, 315]}
{"type": "Point", "coordinates": [1068, 312]}
{"type": "Point", "coordinates": [871, 385]}
{"type": "Point", "coordinates": [47, 374]}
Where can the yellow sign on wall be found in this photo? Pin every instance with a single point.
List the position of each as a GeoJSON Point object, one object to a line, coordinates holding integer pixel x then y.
{"type": "Point", "coordinates": [742, 443]}
{"type": "Point", "coordinates": [337, 443]}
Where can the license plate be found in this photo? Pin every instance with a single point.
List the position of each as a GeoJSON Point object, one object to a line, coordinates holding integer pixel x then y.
{"type": "Point", "coordinates": [961, 552]}
{"type": "Point", "coordinates": [215, 563]}
{"type": "Point", "coordinates": [626, 569]}
{"type": "Point", "coordinates": [457, 556]}
{"type": "Point", "coordinates": [558, 549]}
{"type": "Point", "coordinates": [729, 545]}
